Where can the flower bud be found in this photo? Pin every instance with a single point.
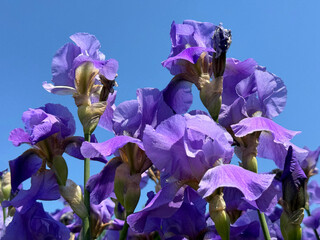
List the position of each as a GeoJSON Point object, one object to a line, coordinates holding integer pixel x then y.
{"type": "Point", "coordinates": [219, 216]}
{"type": "Point", "coordinates": [6, 185]}
{"type": "Point", "coordinates": [60, 168]}
{"type": "Point", "coordinates": [290, 224]}
{"type": "Point", "coordinates": [127, 187]}
{"type": "Point", "coordinates": [72, 193]}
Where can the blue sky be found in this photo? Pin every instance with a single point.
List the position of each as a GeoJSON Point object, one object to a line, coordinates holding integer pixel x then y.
{"type": "Point", "coordinates": [281, 35]}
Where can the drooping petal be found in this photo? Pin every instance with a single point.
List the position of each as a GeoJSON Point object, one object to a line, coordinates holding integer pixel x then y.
{"type": "Point", "coordinates": [59, 90]}
{"type": "Point", "coordinates": [101, 185]}
{"type": "Point", "coordinates": [107, 148]}
{"type": "Point", "coordinates": [23, 168]}
{"type": "Point", "coordinates": [43, 187]}
{"type": "Point", "coordinates": [19, 136]}
{"type": "Point", "coordinates": [252, 185]}
{"type": "Point", "coordinates": [35, 224]}
{"type": "Point", "coordinates": [106, 118]}
{"type": "Point", "coordinates": [164, 204]}
{"type": "Point", "coordinates": [178, 96]}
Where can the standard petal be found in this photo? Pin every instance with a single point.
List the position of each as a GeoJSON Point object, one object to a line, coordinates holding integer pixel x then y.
{"type": "Point", "coordinates": [62, 64]}
{"type": "Point", "coordinates": [110, 69]}
{"type": "Point", "coordinates": [87, 42]}
{"type": "Point", "coordinates": [251, 184]}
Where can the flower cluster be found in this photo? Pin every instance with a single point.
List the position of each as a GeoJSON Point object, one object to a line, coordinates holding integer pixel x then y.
{"type": "Point", "coordinates": [199, 193]}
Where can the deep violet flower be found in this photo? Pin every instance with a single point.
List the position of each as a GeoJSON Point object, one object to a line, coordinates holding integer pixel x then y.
{"type": "Point", "coordinates": [35, 224]}
{"type": "Point", "coordinates": [250, 90]}
{"type": "Point", "coordinates": [71, 56]}
{"type": "Point", "coordinates": [49, 131]}
{"type": "Point", "coordinates": [189, 40]}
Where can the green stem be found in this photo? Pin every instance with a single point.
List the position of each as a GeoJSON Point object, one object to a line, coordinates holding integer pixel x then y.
{"type": "Point", "coordinates": [124, 231]}
{"type": "Point", "coordinates": [315, 231]}
{"type": "Point", "coordinates": [86, 221]}
{"type": "Point", "coordinates": [264, 225]}
{"type": "Point", "coordinates": [4, 215]}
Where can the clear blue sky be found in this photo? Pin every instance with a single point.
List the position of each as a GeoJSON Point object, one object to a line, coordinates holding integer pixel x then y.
{"type": "Point", "coordinates": [281, 35]}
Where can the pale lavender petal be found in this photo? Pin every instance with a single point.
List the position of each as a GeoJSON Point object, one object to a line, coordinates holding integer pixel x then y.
{"type": "Point", "coordinates": [110, 69]}
{"type": "Point", "coordinates": [314, 193]}
{"type": "Point", "coordinates": [87, 42]}
{"type": "Point", "coordinates": [255, 124]}
{"type": "Point", "coordinates": [19, 136]}
{"type": "Point", "coordinates": [59, 90]}
{"type": "Point", "coordinates": [107, 148]}
{"type": "Point", "coordinates": [106, 118]}
{"type": "Point", "coordinates": [62, 64]}
{"type": "Point", "coordinates": [310, 162]}
{"type": "Point", "coordinates": [126, 117]}
{"type": "Point", "coordinates": [252, 185]}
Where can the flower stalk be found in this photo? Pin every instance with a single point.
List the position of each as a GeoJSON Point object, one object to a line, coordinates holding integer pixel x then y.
{"type": "Point", "coordinates": [86, 221]}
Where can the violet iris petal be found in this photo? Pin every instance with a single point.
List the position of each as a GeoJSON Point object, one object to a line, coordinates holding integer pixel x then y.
{"type": "Point", "coordinates": [23, 168]}
{"type": "Point", "coordinates": [163, 205]}
{"type": "Point", "coordinates": [101, 185]}
{"type": "Point", "coordinates": [70, 56]}
{"type": "Point", "coordinates": [73, 145]}
{"type": "Point", "coordinates": [103, 210]}
{"type": "Point", "coordinates": [43, 187]}
{"type": "Point", "coordinates": [106, 118]}
{"type": "Point", "coordinates": [189, 40]}
{"type": "Point", "coordinates": [189, 220]}
{"type": "Point", "coordinates": [249, 88]}
{"type": "Point", "coordinates": [19, 136]}
{"type": "Point", "coordinates": [252, 185]}
{"type": "Point", "coordinates": [180, 146]}
{"type": "Point", "coordinates": [314, 193]}
{"type": "Point", "coordinates": [310, 162]}
{"type": "Point", "coordinates": [274, 140]}
{"type": "Point", "coordinates": [107, 148]}
{"type": "Point", "coordinates": [313, 221]}
{"type": "Point", "coordinates": [35, 224]}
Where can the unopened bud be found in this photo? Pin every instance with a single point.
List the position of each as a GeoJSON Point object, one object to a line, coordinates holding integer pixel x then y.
{"type": "Point", "coordinates": [89, 115]}
{"type": "Point", "coordinates": [127, 187]}
{"type": "Point", "coordinates": [219, 216]}
{"type": "Point", "coordinates": [6, 185]}
{"type": "Point", "coordinates": [72, 193]}
{"type": "Point", "coordinates": [290, 224]}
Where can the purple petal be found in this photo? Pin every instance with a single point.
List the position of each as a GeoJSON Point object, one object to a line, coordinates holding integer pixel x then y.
{"type": "Point", "coordinates": [252, 185]}
{"type": "Point", "coordinates": [310, 162]}
{"type": "Point", "coordinates": [110, 69]}
{"type": "Point", "coordinates": [101, 185]}
{"type": "Point", "coordinates": [106, 118]}
{"type": "Point", "coordinates": [164, 204]}
{"type": "Point", "coordinates": [87, 42]}
{"type": "Point", "coordinates": [43, 187]}
{"type": "Point", "coordinates": [313, 221]}
{"type": "Point", "coordinates": [255, 124]}
{"type": "Point", "coordinates": [178, 96]}
{"type": "Point", "coordinates": [35, 224]}
{"type": "Point", "coordinates": [73, 146]}
{"type": "Point", "coordinates": [107, 148]}
{"type": "Point", "coordinates": [19, 136]}
{"type": "Point", "coordinates": [23, 168]}
{"type": "Point", "coordinates": [126, 117]}
{"type": "Point", "coordinates": [62, 64]}
{"type": "Point", "coordinates": [314, 193]}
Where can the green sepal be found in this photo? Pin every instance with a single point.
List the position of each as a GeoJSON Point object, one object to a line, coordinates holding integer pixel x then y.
{"type": "Point", "coordinates": [60, 168]}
